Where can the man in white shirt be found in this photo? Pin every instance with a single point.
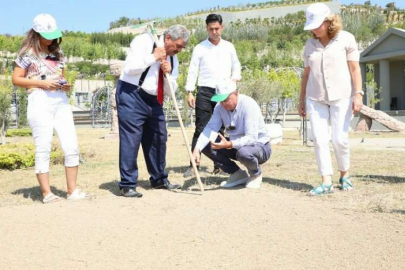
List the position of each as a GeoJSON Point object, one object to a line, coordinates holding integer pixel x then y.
{"type": "Point", "coordinates": [140, 92]}
{"type": "Point", "coordinates": [248, 140]}
{"type": "Point", "coordinates": [212, 59]}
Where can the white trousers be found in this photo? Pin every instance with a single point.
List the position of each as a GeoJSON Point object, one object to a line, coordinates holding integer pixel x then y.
{"type": "Point", "coordinates": [48, 111]}
{"type": "Point", "coordinates": [338, 114]}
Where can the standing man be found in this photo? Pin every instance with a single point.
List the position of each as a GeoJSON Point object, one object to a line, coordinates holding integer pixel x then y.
{"type": "Point", "coordinates": [248, 140]}
{"type": "Point", "coordinates": [212, 59]}
{"type": "Point", "coordinates": [139, 96]}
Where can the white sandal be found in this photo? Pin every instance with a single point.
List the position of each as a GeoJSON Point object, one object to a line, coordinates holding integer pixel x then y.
{"type": "Point", "coordinates": [51, 198]}
{"type": "Point", "coordinates": [78, 195]}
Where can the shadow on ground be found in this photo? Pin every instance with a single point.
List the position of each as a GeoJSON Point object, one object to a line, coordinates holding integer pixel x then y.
{"type": "Point", "coordinates": [183, 169]}
{"type": "Point", "coordinates": [114, 188]}
{"type": "Point", "coordinates": [214, 180]}
{"type": "Point", "coordinates": [111, 187]}
{"type": "Point", "coordinates": [381, 178]}
{"type": "Point", "coordinates": [399, 212]}
{"type": "Point", "coordinates": [35, 194]}
{"type": "Point", "coordinates": [287, 184]}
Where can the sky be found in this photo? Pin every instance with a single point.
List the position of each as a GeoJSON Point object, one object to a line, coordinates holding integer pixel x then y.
{"type": "Point", "coordinates": [95, 16]}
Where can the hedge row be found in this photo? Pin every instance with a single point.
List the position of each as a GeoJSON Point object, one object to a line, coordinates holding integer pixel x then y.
{"type": "Point", "coordinates": [19, 156]}
{"type": "Point", "coordinates": [18, 133]}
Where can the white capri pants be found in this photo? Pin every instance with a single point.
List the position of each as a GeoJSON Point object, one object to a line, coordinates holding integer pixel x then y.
{"type": "Point", "coordinates": [338, 114]}
{"type": "Point", "coordinates": [47, 111]}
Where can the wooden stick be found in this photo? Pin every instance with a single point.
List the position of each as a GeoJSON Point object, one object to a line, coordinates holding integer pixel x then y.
{"type": "Point", "coordinates": [169, 80]}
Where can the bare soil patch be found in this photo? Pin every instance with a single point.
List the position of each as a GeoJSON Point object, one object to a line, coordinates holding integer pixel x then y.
{"type": "Point", "coordinates": [276, 227]}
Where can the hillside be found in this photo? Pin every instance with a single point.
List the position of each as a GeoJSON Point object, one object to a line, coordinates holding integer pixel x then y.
{"type": "Point", "coordinates": [270, 12]}
{"type": "Point", "coordinates": [232, 14]}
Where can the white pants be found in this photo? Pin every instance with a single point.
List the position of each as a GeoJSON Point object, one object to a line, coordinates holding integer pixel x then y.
{"type": "Point", "coordinates": [338, 114]}
{"type": "Point", "coordinates": [47, 111]}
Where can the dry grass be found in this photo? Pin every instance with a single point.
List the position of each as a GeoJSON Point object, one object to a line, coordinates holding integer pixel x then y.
{"type": "Point", "coordinates": [378, 172]}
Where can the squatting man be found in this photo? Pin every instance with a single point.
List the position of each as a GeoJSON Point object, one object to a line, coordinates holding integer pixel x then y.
{"type": "Point", "coordinates": [248, 140]}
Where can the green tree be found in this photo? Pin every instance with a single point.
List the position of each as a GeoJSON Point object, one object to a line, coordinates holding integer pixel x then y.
{"type": "Point", "coordinates": [22, 107]}
{"type": "Point", "coordinates": [372, 89]}
{"type": "Point", "coordinates": [70, 76]}
{"type": "Point", "coordinates": [288, 82]}
{"type": "Point", "coordinates": [257, 85]}
{"type": "Point", "coordinates": [391, 6]}
{"type": "Point", "coordinates": [6, 90]}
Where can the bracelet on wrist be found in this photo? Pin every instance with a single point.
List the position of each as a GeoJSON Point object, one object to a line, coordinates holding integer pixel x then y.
{"type": "Point", "coordinates": [361, 92]}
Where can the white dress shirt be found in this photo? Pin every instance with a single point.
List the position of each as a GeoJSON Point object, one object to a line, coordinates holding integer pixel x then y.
{"type": "Point", "coordinates": [211, 62]}
{"type": "Point", "coordinates": [139, 58]}
{"type": "Point", "coordinates": [247, 119]}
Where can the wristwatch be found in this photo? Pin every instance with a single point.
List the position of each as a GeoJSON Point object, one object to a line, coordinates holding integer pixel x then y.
{"type": "Point", "coordinates": [361, 92]}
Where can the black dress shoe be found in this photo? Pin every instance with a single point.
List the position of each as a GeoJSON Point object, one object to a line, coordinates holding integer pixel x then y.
{"type": "Point", "coordinates": [168, 186]}
{"type": "Point", "coordinates": [130, 193]}
{"type": "Point", "coordinates": [216, 170]}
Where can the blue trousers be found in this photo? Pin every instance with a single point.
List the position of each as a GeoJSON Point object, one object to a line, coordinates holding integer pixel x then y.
{"type": "Point", "coordinates": [250, 156]}
{"type": "Point", "coordinates": [141, 122]}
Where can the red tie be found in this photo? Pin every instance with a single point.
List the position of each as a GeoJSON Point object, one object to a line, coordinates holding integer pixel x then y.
{"type": "Point", "coordinates": [160, 87]}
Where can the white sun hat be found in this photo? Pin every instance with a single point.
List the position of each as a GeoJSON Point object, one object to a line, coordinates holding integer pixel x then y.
{"type": "Point", "coordinates": [45, 25]}
{"type": "Point", "coordinates": [316, 14]}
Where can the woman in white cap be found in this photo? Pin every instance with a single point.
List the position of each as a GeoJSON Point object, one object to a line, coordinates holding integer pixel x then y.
{"type": "Point", "coordinates": [39, 68]}
{"type": "Point", "coordinates": [331, 92]}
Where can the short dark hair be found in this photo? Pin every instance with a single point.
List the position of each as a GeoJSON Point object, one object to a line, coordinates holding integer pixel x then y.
{"type": "Point", "coordinates": [213, 18]}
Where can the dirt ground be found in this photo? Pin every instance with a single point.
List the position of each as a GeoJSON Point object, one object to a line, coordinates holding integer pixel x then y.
{"type": "Point", "coordinates": [275, 227]}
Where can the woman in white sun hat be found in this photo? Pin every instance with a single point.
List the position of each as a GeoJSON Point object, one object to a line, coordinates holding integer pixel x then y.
{"type": "Point", "coordinates": [39, 68]}
{"type": "Point", "coordinates": [331, 92]}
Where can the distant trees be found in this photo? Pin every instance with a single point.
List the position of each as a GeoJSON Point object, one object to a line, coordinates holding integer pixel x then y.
{"type": "Point", "coordinates": [22, 99]}
{"type": "Point", "coordinates": [122, 21]}
{"type": "Point", "coordinates": [274, 90]}
{"type": "Point", "coordinates": [391, 6]}
{"type": "Point", "coordinates": [111, 38]}
{"type": "Point", "coordinates": [10, 43]}
{"type": "Point", "coordinates": [89, 46]}
{"type": "Point", "coordinates": [88, 69]}
{"type": "Point", "coordinates": [249, 6]}
{"type": "Point", "coordinates": [365, 26]}
{"type": "Point", "coordinates": [125, 21]}
{"type": "Point", "coordinates": [6, 90]}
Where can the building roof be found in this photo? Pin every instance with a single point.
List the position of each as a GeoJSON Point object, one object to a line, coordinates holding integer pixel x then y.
{"type": "Point", "coordinates": [390, 46]}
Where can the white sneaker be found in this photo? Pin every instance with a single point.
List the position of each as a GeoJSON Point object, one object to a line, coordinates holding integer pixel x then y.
{"type": "Point", "coordinates": [254, 181]}
{"type": "Point", "coordinates": [237, 178]}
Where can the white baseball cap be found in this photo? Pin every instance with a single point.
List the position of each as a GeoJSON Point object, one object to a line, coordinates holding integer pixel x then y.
{"type": "Point", "coordinates": [45, 25]}
{"type": "Point", "coordinates": [223, 89]}
{"type": "Point", "coordinates": [316, 14]}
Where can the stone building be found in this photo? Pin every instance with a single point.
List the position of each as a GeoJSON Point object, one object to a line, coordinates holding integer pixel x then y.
{"type": "Point", "coordinates": [387, 54]}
